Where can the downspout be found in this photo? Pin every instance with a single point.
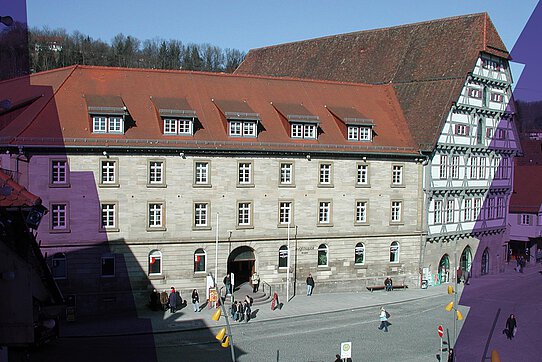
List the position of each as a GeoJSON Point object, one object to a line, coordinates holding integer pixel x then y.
{"type": "Point", "coordinates": [423, 231]}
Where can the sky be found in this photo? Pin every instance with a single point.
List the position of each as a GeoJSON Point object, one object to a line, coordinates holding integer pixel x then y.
{"type": "Point", "coordinates": [244, 24]}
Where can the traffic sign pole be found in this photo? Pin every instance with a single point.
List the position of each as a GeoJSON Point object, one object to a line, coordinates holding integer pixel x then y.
{"type": "Point", "coordinates": [440, 332]}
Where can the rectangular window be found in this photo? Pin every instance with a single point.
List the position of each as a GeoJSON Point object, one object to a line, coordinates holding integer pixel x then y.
{"type": "Point", "coordinates": [443, 168]}
{"type": "Point", "coordinates": [437, 217]}
{"type": "Point", "coordinates": [455, 167]}
{"type": "Point", "coordinates": [156, 215]}
{"type": "Point", "coordinates": [450, 211]}
{"type": "Point", "coordinates": [103, 124]}
{"type": "Point", "coordinates": [200, 214]}
{"type": "Point", "coordinates": [396, 209]}
{"type": "Point", "coordinates": [496, 97]}
{"type": "Point", "coordinates": [491, 64]}
{"type": "Point", "coordinates": [285, 212]}
{"type": "Point", "coordinates": [249, 129]}
{"type": "Point", "coordinates": [286, 173]}
{"type": "Point", "coordinates": [99, 124]}
{"type": "Point", "coordinates": [245, 173]}
{"type": "Point", "coordinates": [525, 219]}
{"type": "Point", "coordinates": [477, 204]}
{"type": "Point", "coordinates": [115, 125]}
{"type": "Point", "coordinates": [500, 207]}
{"type": "Point", "coordinates": [235, 128]}
{"type": "Point", "coordinates": [156, 172]}
{"type": "Point", "coordinates": [243, 214]}
{"type": "Point", "coordinates": [301, 130]}
{"type": "Point", "coordinates": [309, 131]}
{"type": "Point", "coordinates": [324, 212]}
{"type": "Point", "coordinates": [501, 134]}
{"type": "Point", "coordinates": [59, 216]}
{"type": "Point", "coordinates": [475, 93]}
{"type": "Point", "coordinates": [109, 216]}
{"type": "Point", "coordinates": [365, 133]}
{"type": "Point", "coordinates": [108, 172]}
{"type": "Point", "coordinates": [473, 164]}
{"type": "Point", "coordinates": [489, 133]}
{"type": "Point", "coordinates": [170, 126]}
{"type": "Point", "coordinates": [504, 167]}
{"type": "Point", "coordinates": [201, 176]}
{"type": "Point", "coordinates": [325, 174]}
{"type": "Point", "coordinates": [491, 208]}
{"type": "Point", "coordinates": [108, 266]}
{"type": "Point", "coordinates": [180, 126]}
{"type": "Point", "coordinates": [185, 126]}
{"type": "Point", "coordinates": [362, 175]}
{"type": "Point", "coordinates": [353, 134]}
{"type": "Point", "coordinates": [467, 211]}
{"type": "Point", "coordinates": [297, 130]}
{"type": "Point", "coordinates": [397, 175]}
{"type": "Point", "coordinates": [482, 167]}
{"type": "Point", "coordinates": [461, 130]}
{"type": "Point", "coordinates": [59, 172]}
{"type": "Point", "coordinates": [361, 212]}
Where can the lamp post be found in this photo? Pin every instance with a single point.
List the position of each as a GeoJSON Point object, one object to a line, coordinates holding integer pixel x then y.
{"type": "Point", "coordinates": [216, 251]}
{"type": "Point", "coordinates": [288, 267]}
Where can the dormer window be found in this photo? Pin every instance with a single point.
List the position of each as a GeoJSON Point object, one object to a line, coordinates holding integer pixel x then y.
{"type": "Point", "coordinates": [491, 64]}
{"type": "Point", "coordinates": [177, 116]}
{"type": "Point", "coordinates": [241, 120]}
{"type": "Point", "coordinates": [358, 127]}
{"type": "Point", "coordinates": [303, 124]}
{"type": "Point", "coordinates": [300, 130]}
{"type": "Point", "coordinates": [107, 112]}
{"type": "Point", "coordinates": [359, 133]}
{"type": "Point", "coordinates": [242, 128]}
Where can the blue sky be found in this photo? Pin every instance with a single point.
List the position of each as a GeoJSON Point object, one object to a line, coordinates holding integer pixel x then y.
{"type": "Point", "coordinates": [244, 24]}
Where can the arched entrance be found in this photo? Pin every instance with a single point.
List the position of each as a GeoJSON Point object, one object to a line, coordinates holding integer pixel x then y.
{"type": "Point", "coordinates": [485, 262]}
{"type": "Point", "coordinates": [241, 264]}
{"type": "Point", "coordinates": [466, 260]}
{"type": "Point", "coordinates": [444, 269]}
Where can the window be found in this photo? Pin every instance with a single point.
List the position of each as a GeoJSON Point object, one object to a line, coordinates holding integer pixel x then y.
{"type": "Point", "coordinates": [325, 177]}
{"type": "Point", "coordinates": [473, 160]}
{"type": "Point", "coordinates": [482, 168]}
{"type": "Point", "coordinates": [59, 267]}
{"type": "Point", "coordinates": [201, 214]}
{"type": "Point", "coordinates": [397, 175]}
{"type": "Point", "coordinates": [462, 130]}
{"type": "Point", "coordinates": [396, 209]}
{"type": "Point", "coordinates": [491, 64]}
{"type": "Point", "coordinates": [496, 97]}
{"type": "Point", "coordinates": [283, 256]}
{"type": "Point", "coordinates": [108, 266]}
{"type": "Point", "coordinates": [437, 216]}
{"type": "Point", "coordinates": [489, 133]}
{"type": "Point", "coordinates": [359, 254]}
{"type": "Point", "coordinates": [103, 124]}
{"type": "Point", "coordinates": [500, 207]}
{"type": "Point", "coordinates": [443, 168]}
{"type": "Point", "coordinates": [357, 133]}
{"type": "Point", "coordinates": [361, 212]}
{"type": "Point", "coordinates": [109, 216]}
{"type": "Point", "coordinates": [179, 126]}
{"type": "Point", "coordinates": [475, 93]}
{"type": "Point", "coordinates": [301, 130]}
{"type": "Point", "coordinates": [455, 167]}
{"type": "Point", "coordinates": [59, 217]}
{"type": "Point", "coordinates": [244, 214]}
{"type": "Point", "coordinates": [491, 208]}
{"type": "Point", "coordinates": [201, 173]}
{"type": "Point", "coordinates": [156, 215]}
{"type": "Point", "coordinates": [362, 175]}
{"type": "Point", "coordinates": [324, 212]}
{"type": "Point", "coordinates": [285, 212]}
{"type": "Point", "coordinates": [450, 211]}
{"type": "Point", "coordinates": [477, 204]}
{"type": "Point", "coordinates": [59, 172]}
{"type": "Point", "coordinates": [155, 262]}
{"type": "Point", "coordinates": [108, 172]}
{"type": "Point", "coordinates": [525, 219]}
{"type": "Point", "coordinates": [242, 129]}
{"type": "Point", "coordinates": [199, 260]}
{"type": "Point", "coordinates": [156, 173]}
{"type": "Point", "coordinates": [286, 173]}
{"type": "Point", "coordinates": [245, 173]}
{"type": "Point", "coordinates": [501, 134]}
{"type": "Point", "coordinates": [467, 211]}
{"type": "Point", "coordinates": [322, 255]}
{"type": "Point", "coordinates": [353, 133]}
{"type": "Point", "coordinates": [394, 252]}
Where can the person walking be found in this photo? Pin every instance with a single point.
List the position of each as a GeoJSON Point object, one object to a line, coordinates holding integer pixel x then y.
{"type": "Point", "coordinates": [241, 311]}
{"type": "Point", "coordinates": [310, 284]}
{"type": "Point", "coordinates": [248, 312]}
{"type": "Point", "coordinates": [384, 315]}
{"type": "Point", "coordinates": [172, 301]}
{"type": "Point", "coordinates": [255, 282]}
{"type": "Point", "coordinates": [511, 327]}
{"type": "Point", "coordinates": [195, 300]}
{"type": "Point", "coordinates": [164, 300]}
{"type": "Point", "coordinates": [227, 283]}
{"type": "Point", "coordinates": [234, 311]}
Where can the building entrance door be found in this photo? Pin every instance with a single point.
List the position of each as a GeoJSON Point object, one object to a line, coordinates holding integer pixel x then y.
{"type": "Point", "coordinates": [241, 263]}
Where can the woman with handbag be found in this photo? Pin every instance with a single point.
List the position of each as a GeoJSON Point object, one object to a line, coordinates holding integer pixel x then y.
{"type": "Point", "coordinates": [384, 315]}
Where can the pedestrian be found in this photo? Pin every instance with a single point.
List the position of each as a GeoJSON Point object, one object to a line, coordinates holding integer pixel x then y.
{"type": "Point", "coordinates": [234, 311]}
{"type": "Point", "coordinates": [164, 300]}
{"type": "Point", "coordinates": [388, 283]}
{"type": "Point", "coordinates": [154, 300]}
{"type": "Point", "coordinates": [241, 311]}
{"type": "Point", "coordinates": [255, 282]}
{"type": "Point", "coordinates": [459, 275]}
{"type": "Point", "coordinates": [179, 299]}
{"type": "Point", "coordinates": [172, 301]}
{"type": "Point", "coordinates": [384, 315]}
{"type": "Point", "coordinates": [310, 284]}
{"type": "Point", "coordinates": [195, 300]}
{"type": "Point", "coordinates": [227, 283]}
{"type": "Point", "coordinates": [511, 327]}
{"type": "Point", "coordinates": [248, 311]}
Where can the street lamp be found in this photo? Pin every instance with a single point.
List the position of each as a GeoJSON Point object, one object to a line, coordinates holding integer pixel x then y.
{"type": "Point", "coordinates": [288, 267]}
{"type": "Point", "coordinates": [216, 251]}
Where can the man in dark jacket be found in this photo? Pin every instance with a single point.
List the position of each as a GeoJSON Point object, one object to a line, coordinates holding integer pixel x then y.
{"type": "Point", "coordinates": [511, 326]}
{"type": "Point", "coordinates": [310, 284]}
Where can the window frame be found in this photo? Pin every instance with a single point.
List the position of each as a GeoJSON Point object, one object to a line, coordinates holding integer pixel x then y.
{"type": "Point", "coordinates": [241, 177]}
{"type": "Point", "coordinates": [162, 182]}
{"type": "Point", "coordinates": [283, 250]}
{"type": "Point", "coordinates": [55, 217]}
{"type": "Point", "coordinates": [206, 212]}
{"type": "Point", "coordinates": [53, 173]}
{"type": "Point", "coordinates": [158, 255]}
{"type": "Point", "coordinates": [437, 212]}
{"type": "Point", "coordinates": [282, 182]}
{"type": "Point", "coordinates": [359, 246]}
{"type": "Point", "coordinates": [365, 208]}
{"type": "Point", "coordinates": [199, 252]}
{"type": "Point", "coordinates": [106, 123]}
{"type": "Point", "coordinates": [308, 131]}
{"type": "Point", "coordinates": [108, 257]}
{"type": "Point", "coordinates": [392, 212]}
{"type": "Point", "coordinates": [394, 256]}
{"type": "Point", "coordinates": [400, 173]}
{"type": "Point", "coordinates": [325, 210]}
{"type": "Point", "coordinates": [325, 174]}
{"type": "Point", "coordinates": [115, 168]}
{"type": "Point", "coordinates": [115, 211]}
{"type": "Point", "coordinates": [290, 209]}
{"type": "Point", "coordinates": [198, 181]}
{"type": "Point", "coordinates": [59, 257]}
{"type": "Point", "coordinates": [359, 175]}
{"type": "Point", "coordinates": [162, 210]}
{"type": "Point", "coordinates": [323, 248]}
{"type": "Point", "coordinates": [247, 213]}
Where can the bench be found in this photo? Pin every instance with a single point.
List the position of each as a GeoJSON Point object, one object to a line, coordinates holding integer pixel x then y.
{"type": "Point", "coordinates": [382, 287]}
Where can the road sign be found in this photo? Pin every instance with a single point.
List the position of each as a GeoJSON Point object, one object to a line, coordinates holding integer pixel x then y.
{"type": "Point", "coordinates": [346, 350]}
{"type": "Point", "coordinates": [440, 331]}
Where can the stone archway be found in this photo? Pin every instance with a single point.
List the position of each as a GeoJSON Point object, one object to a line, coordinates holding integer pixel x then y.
{"type": "Point", "coordinates": [241, 263]}
{"type": "Point", "coordinates": [465, 261]}
{"type": "Point", "coordinates": [444, 269]}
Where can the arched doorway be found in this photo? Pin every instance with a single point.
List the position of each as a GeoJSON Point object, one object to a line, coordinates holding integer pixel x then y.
{"type": "Point", "coordinates": [444, 269]}
{"type": "Point", "coordinates": [466, 260]}
{"type": "Point", "coordinates": [485, 262]}
{"type": "Point", "coordinates": [241, 264]}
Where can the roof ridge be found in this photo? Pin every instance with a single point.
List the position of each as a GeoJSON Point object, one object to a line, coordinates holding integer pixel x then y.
{"type": "Point", "coordinates": [450, 18]}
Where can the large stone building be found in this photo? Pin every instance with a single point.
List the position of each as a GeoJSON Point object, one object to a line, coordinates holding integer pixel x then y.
{"type": "Point", "coordinates": [144, 170]}
{"type": "Point", "coordinates": [453, 82]}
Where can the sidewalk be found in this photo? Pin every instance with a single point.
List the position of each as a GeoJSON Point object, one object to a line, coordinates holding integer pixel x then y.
{"type": "Point", "coordinates": [186, 319]}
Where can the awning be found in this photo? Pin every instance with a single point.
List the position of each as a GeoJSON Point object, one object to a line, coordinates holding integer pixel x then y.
{"type": "Point", "coordinates": [173, 107]}
{"type": "Point", "coordinates": [236, 110]}
{"type": "Point", "coordinates": [350, 116]}
{"type": "Point", "coordinates": [108, 104]}
{"type": "Point", "coordinates": [296, 113]}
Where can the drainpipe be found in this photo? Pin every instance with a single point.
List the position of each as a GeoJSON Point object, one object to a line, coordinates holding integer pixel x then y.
{"type": "Point", "coordinates": [424, 229]}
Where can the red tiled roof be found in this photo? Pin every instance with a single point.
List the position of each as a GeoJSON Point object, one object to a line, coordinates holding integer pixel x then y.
{"type": "Point", "coordinates": [64, 120]}
{"type": "Point", "coordinates": [426, 62]}
{"type": "Point", "coordinates": [14, 195]}
{"type": "Point", "coordinates": [526, 196]}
